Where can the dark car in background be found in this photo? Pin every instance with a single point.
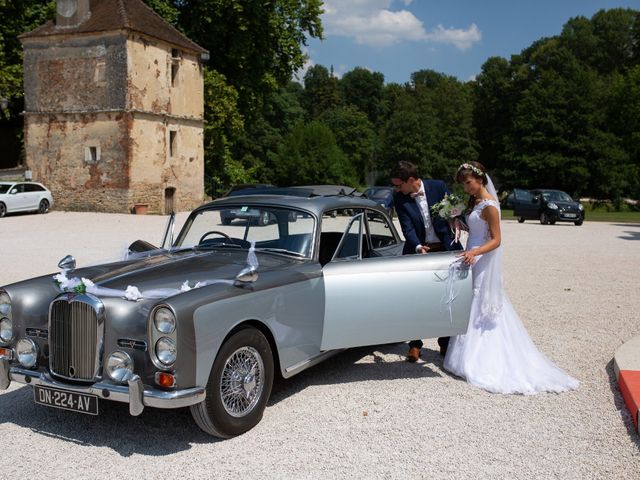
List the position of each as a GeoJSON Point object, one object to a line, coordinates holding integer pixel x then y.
{"type": "Point", "coordinates": [547, 206]}
{"type": "Point", "coordinates": [382, 196]}
{"type": "Point", "coordinates": [253, 216]}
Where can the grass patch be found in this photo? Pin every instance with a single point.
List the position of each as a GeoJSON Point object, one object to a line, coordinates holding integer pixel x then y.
{"type": "Point", "coordinates": [598, 214]}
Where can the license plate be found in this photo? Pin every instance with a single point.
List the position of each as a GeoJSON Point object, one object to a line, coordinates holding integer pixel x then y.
{"type": "Point", "coordinates": [570, 215]}
{"type": "Point", "coordinates": [77, 402]}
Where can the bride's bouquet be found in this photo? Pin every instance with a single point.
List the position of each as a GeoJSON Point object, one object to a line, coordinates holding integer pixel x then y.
{"type": "Point", "coordinates": [450, 208]}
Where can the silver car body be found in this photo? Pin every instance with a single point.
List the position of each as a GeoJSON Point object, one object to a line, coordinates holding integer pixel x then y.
{"type": "Point", "coordinates": [309, 305]}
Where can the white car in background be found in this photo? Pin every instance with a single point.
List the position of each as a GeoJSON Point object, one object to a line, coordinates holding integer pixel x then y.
{"type": "Point", "coordinates": [24, 197]}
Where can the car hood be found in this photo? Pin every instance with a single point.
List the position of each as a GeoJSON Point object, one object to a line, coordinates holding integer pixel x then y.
{"type": "Point", "coordinates": [171, 270]}
{"type": "Point", "coordinates": [564, 204]}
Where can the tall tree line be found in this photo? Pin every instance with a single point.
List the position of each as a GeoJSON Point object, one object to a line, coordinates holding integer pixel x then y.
{"type": "Point", "coordinates": [563, 113]}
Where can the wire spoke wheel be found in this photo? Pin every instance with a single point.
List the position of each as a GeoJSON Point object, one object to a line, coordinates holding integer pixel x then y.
{"type": "Point", "coordinates": [242, 381]}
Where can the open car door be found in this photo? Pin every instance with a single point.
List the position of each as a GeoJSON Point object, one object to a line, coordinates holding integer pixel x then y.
{"type": "Point", "coordinates": [371, 301]}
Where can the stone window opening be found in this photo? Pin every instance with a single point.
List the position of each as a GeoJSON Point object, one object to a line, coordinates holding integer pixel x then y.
{"type": "Point", "coordinates": [173, 143]}
{"type": "Point", "coordinates": [176, 57]}
{"type": "Point", "coordinates": [92, 154]}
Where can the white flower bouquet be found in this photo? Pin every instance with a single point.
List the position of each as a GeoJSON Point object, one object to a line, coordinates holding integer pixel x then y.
{"type": "Point", "coordinates": [450, 207]}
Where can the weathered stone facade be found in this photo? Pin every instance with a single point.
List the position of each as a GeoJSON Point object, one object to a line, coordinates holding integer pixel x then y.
{"type": "Point", "coordinates": [114, 118]}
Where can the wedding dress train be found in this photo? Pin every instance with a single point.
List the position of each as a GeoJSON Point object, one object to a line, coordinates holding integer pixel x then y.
{"type": "Point", "coordinates": [496, 353]}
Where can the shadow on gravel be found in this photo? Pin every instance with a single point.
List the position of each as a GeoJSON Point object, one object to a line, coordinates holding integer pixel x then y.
{"type": "Point", "coordinates": [344, 368]}
{"type": "Point", "coordinates": [625, 416]}
{"type": "Point", "coordinates": [156, 432]}
{"type": "Point", "coordinates": [160, 432]}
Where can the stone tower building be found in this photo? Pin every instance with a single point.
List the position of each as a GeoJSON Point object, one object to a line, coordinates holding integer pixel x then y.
{"type": "Point", "coordinates": [114, 108]}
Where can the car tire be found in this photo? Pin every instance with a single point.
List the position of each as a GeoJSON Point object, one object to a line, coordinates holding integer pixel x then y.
{"type": "Point", "coordinates": [44, 206]}
{"type": "Point", "coordinates": [578, 222]}
{"type": "Point", "coordinates": [552, 222]}
{"type": "Point", "coordinates": [543, 219]}
{"type": "Point", "coordinates": [225, 221]}
{"type": "Point", "coordinates": [263, 219]}
{"type": "Point", "coordinates": [244, 366]}
{"type": "Point", "coordinates": [293, 217]}
{"type": "Point", "coordinates": [3, 210]}
{"type": "Point", "coordinates": [520, 219]}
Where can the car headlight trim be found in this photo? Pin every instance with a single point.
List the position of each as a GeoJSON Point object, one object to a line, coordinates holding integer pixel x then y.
{"type": "Point", "coordinates": [119, 366]}
{"type": "Point", "coordinates": [164, 320]}
{"type": "Point", "coordinates": [27, 352]}
{"type": "Point", "coordinates": [166, 350]}
{"type": "Point", "coordinates": [5, 304]}
{"type": "Point", "coordinates": [6, 330]}
{"type": "Point", "coordinates": [552, 206]}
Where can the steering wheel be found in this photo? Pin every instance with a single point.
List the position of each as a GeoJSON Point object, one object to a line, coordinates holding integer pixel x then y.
{"type": "Point", "coordinates": [216, 232]}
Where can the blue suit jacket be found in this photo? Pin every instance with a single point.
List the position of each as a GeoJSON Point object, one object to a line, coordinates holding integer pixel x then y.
{"type": "Point", "coordinates": [411, 220]}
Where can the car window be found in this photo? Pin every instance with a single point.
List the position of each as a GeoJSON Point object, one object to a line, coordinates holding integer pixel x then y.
{"type": "Point", "coordinates": [557, 197]}
{"type": "Point", "coordinates": [19, 188]}
{"type": "Point", "coordinates": [274, 229]}
{"type": "Point", "coordinates": [522, 195]}
{"type": "Point", "coordinates": [335, 224]}
{"type": "Point", "coordinates": [4, 188]}
{"type": "Point", "coordinates": [32, 187]}
{"type": "Point", "coordinates": [350, 244]}
{"type": "Point", "coordinates": [380, 233]}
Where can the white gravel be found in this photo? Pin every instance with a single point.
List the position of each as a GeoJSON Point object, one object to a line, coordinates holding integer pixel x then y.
{"type": "Point", "coordinates": [366, 413]}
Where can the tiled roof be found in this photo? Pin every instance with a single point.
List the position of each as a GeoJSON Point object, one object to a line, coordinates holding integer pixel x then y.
{"type": "Point", "coordinates": [109, 15]}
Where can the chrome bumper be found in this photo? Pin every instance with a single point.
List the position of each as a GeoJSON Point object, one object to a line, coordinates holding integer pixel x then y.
{"type": "Point", "coordinates": [134, 393]}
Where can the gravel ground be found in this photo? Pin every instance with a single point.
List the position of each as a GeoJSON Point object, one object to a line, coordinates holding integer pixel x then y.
{"type": "Point", "coordinates": [366, 413]}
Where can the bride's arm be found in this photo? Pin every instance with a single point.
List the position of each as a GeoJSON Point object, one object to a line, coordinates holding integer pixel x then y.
{"type": "Point", "coordinates": [492, 217]}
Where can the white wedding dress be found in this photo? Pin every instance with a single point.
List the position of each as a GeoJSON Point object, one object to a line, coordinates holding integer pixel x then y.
{"type": "Point", "coordinates": [496, 353]}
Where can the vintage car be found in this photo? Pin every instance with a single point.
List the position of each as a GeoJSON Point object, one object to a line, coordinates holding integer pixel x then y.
{"type": "Point", "coordinates": [207, 320]}
{"type": "Point", "coordinates": [548, 206]}
{"type": "Point", "coordinates": [24, 197]}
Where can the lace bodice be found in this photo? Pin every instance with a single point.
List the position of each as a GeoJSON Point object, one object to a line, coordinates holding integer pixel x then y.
{"type": "Point", "coordinates": [478, 227]}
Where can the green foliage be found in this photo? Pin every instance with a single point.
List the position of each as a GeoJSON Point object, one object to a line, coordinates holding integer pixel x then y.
{"type": "Point", "coordinates": [355, 136]}
{"type": "Point", "coordinates": [321, 91]}
{"type": "Point", "coordinates": [363, 89]}
{"type": "Point", "coordinates": [309, 155]}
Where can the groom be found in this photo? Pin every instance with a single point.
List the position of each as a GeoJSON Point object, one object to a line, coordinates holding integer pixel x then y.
{"type": "Point", "coordinates": [413, 199]}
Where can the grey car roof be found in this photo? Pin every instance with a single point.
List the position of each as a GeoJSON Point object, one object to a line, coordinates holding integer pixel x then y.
{"type": "Point", "coordinates": [316, 205]}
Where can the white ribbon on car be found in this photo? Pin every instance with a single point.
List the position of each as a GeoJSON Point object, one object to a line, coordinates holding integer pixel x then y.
{"type": "Point", "coordinates": [457, 269]}
{"type": "Point", "coordinates": [133, 293]}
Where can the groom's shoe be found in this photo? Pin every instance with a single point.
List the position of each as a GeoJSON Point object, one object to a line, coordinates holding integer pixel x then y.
{"type": "Point", "coordinates": [443, 343]}
{"type": "Point", "coordinates": [413, 355]}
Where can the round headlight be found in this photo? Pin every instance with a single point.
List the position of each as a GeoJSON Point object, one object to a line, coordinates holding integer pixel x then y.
{"type": "Point", "coordinates": [580, 207]}
{"type": "Point", "coordinates": [552, 206]}
{"type": "Point", "coordinates": [5, 304]}
{"type": "Point", "coordinates": [166, 350]}
{"type": "Point", "coordinates": [164, 320]}
{"type": "Point", "coordinates": [119, 366]}
{"type": "Point", "coordinates": [6, 330]}
{"type": "Point", "coordinates": [27, 352]}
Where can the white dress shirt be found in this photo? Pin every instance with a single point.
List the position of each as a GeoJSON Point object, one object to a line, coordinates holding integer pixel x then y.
{"type": "Point", "coordinates": [423, 205]}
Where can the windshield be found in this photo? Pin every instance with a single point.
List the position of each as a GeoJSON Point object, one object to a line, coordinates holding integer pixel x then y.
{"type": "Point", "coordinates": [557, 196]}
{"type": "Point", "coordinates": [273, 229]}
{"type": "Point", "coordinates": [4, 188]}
{"type": "Point", "coordinates": [377, 193]}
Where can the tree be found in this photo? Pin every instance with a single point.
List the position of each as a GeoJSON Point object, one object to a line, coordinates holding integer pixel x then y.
{"type": "Point", "coordinates": [320, 91]}
{"type": "Point", "coordinates": [309, 155]}
{"type": "Point", "coordinates": [363, 89]}
{"type": "Point", "coordinates": [255, 44]}
{"type": "Point", "coordinates": [355, 136]}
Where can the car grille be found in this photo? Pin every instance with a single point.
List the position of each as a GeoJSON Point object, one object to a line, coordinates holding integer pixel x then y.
{"type": "Point", "coordinates": [76, 329]}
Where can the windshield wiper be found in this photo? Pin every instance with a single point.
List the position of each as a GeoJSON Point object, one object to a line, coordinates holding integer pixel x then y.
{"type": "Point", "coordinates": [279, 250]}
{"type": "Point", "coordinates": [216, 245]}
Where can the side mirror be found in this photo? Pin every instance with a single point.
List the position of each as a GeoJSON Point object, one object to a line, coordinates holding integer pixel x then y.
{"type": "Point", "coordinates": [248, 274]}
{"type": "Point", "coordinates": [67, 263]}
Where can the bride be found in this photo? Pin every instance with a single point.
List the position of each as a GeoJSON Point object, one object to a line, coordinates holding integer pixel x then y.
{"type": "Point", "coordinates": [496, 353]}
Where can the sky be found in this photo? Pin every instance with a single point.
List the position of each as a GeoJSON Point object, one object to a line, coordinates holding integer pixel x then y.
{"type": "Point", "coordinates": [455, 37]}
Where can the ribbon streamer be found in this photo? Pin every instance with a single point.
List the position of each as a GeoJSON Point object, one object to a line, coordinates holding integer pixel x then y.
{"type": "Point", "coordinates": [133, 293]}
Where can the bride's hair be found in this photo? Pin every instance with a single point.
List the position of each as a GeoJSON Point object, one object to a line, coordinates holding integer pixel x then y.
{"type": "Point", "coordinates": [473, 169]}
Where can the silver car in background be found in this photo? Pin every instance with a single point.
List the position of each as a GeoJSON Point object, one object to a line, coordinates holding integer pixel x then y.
{"type": "Point", "coordinates": [207, 321]}
{"type": "Point", "coordinates": [24, 197]}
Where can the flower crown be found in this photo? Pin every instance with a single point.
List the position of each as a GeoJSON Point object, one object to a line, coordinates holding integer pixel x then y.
{"type": "Point", "coordinates": [468, 166]}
